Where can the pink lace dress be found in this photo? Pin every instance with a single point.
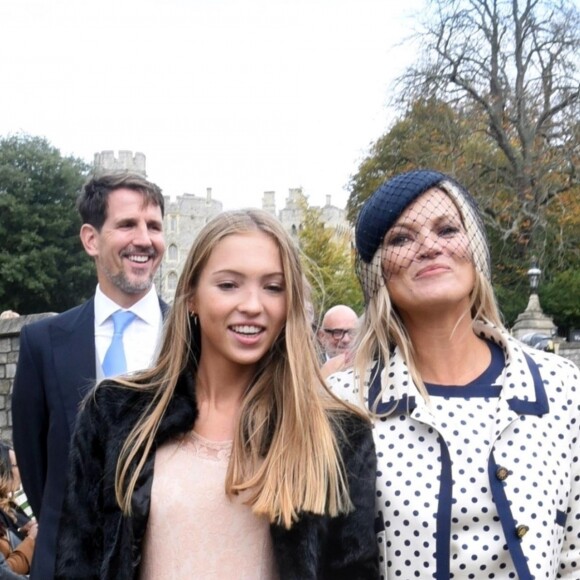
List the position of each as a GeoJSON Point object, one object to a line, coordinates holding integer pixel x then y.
{"type": "Point", "coordinates": [195, 530]}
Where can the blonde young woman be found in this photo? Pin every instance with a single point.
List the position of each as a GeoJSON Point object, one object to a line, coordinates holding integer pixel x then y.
{"type": "Point", "coordinates": [477, 435]}
{"type": "Point", "coordinates": [229, 458]}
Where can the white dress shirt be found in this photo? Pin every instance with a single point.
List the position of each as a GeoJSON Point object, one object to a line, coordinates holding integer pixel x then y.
{"type": "Point", "coordinates": [141, 337]}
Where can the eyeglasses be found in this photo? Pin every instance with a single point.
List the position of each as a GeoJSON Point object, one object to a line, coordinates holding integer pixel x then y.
{"type": "Point", "coordinates": [338, 333]}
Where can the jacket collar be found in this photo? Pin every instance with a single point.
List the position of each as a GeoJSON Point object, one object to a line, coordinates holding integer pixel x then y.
{"type": "Point", "coordinates": [523, 388]}
{"type": "Point", "coordinates": [392, 391]}
{"type": "Point", "coordinates": [181, 412]}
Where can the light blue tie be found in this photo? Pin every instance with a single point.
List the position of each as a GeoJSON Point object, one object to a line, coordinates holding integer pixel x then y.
{"type": "Point", "coordinates": [114, 362]}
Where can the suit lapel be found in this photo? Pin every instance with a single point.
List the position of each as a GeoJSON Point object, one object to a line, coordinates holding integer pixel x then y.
{"type": "Point", "coordinates": [73, 343]}
{"type": "Point", "coordinates": [72, 339]}
{"type": "Point", "coordinates": [164, 308]}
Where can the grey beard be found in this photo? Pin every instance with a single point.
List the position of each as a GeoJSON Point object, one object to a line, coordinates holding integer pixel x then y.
{"type": "Point", "coordinates": [127, 287]}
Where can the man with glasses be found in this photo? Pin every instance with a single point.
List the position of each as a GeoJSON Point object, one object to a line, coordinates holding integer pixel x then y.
{"type": "Point", "coordinates": [335, 336]}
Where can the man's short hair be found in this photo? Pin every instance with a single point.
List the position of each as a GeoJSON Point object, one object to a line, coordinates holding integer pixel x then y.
{"type": "Point", "coordinates": [93, 199]}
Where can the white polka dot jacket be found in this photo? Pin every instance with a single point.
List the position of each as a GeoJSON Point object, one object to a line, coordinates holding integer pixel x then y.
{"type": "Point", "coordinates": [480, 481]}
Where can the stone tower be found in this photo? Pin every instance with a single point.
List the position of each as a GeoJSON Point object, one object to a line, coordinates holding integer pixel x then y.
{"type": "Point", "coordinates": [184, 218]}
{"type": "Point", "coordinates": [106, 160]}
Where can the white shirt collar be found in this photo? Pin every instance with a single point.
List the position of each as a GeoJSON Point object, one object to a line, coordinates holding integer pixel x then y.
{"type": "Point", "coordinates": [147, 308]}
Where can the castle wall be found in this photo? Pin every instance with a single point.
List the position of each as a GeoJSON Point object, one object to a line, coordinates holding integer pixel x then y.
{"type": "Point", "coordinates": [183, 220]}
{"type": "Point", "coordinates": [188, 213]}
{"type": "Point", "coordinates": [125, 160]}
{"type": "Point", "coordinates": [571, 351]}
{"type": "Point", "coordinates": [9, 350]}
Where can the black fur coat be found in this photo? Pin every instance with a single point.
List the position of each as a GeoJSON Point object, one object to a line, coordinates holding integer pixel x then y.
{"type": "Point", "coordinates": [96, 541]}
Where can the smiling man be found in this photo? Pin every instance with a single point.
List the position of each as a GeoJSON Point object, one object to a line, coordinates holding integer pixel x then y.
{"type": "Point", "coordinates": [61, 357]}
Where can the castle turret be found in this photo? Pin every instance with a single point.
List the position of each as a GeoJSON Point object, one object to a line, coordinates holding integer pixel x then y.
{"type": "Point", "coordinates": [269, 202]}
{"type": "Point", "coordinates": [106, 160]}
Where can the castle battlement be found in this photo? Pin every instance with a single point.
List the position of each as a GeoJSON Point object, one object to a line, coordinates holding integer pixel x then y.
{"type": "Point", "coordinates": [125, 160]}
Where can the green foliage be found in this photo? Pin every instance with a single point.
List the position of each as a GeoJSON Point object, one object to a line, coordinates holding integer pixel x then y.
{"type": "Point", "coordinates": [560, 298]}
{"type": "Point", "coordinates": [453, 140]}
{"type": "Point", "coordinates": [498, 59]}
{"type": "Point", "coordinates": [512, 300]}
{"type": "Point", "coordinates": [328, 261]}
{"type": "Point", "coordinates": [43, 266]}
{"type": "Point", "coordinates": [428, 135]}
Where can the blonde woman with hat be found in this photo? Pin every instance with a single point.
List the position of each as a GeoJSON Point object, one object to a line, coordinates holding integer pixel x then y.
{"type": "Point", "coordinates": [477, 435]}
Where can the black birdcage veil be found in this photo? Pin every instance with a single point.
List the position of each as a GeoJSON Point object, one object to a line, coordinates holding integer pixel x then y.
{"type": "Point", "coordinates": [416, 217]}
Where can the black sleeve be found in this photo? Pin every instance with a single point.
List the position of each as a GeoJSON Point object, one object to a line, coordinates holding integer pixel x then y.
{"type": "Point", "coordinates": [337, 548]}
{"type": "Point", "coordinates": [80, 538]}
{"type": "Point", "coordinates": [352, 547]}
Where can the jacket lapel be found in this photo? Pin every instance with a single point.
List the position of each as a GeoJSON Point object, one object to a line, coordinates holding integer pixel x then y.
{"type": "Point", "coordinates": [164, 308]}
{"type": "Point", "coordinates": [392, 401]}
{"type": "Point", "coordinates": [526, 396]}
{"type": "Point", "coordinates": [73, 343]}
{"type": "Point", "coordinates": [523, 391]}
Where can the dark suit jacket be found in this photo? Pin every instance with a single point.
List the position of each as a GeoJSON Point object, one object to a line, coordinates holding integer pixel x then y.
{"type": "Point", "coordinates": [56, 368]}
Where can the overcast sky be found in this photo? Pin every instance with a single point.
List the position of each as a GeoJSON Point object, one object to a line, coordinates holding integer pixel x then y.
{"type": "Point", "coordinates": [243, 96]}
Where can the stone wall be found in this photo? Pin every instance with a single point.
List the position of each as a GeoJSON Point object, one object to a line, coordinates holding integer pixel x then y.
{"type": "Point", "coordinates": [184, 218]}
{"type": "Point", "coordinates": [9, 349]}
{"type": "Point", "coordinates": [571, 351]}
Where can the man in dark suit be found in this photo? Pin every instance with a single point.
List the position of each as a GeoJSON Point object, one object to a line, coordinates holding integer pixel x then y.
{"type": "Point", "coordinates": [61, 357]}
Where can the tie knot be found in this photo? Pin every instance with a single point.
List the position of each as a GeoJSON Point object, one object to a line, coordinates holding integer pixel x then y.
{"type": "Point", "coordinates": [122, 319]}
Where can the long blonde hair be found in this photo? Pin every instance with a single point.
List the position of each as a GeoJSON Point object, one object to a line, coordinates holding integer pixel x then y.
{"type": "Point", "coordinates": [285, 451]}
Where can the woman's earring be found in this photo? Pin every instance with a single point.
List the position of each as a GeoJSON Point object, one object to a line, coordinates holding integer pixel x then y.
{"type": "Point", "coordinates": [194, 317]}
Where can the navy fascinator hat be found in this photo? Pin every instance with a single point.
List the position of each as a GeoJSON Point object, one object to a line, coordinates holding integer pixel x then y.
{"type": "Point", "coordinates": [386, 204]}
{"type": "Point", "coordinates": [384, 207]}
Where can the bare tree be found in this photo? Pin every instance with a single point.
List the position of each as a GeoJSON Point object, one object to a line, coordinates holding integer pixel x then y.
{"type": "Point", "coordinates": [515, 65]}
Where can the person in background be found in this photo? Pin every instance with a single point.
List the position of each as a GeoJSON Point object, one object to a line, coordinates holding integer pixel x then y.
{"type": "Point", "coordinates": [229, 458]}
{"type": "Point", "coordinates": [6, 572]}
{"type": "Point", "coordinates": [335, 336]}
{"type": "Point", "coordinates": [62, 356]}
{"type": "Point", "coordinates": [10, 470]}
{"type": "Point", "coordinates": [17, 531]}
{"type": "Point", "coordinates": [477, 435]}
{"type": "Point", "coordinates": [8, 314]}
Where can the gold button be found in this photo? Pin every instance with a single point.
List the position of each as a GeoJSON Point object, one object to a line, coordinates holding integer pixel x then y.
{"type": "Point", "coordinates": [502, 473]}
{"type": "Point", "coordinates": [521, 531]}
